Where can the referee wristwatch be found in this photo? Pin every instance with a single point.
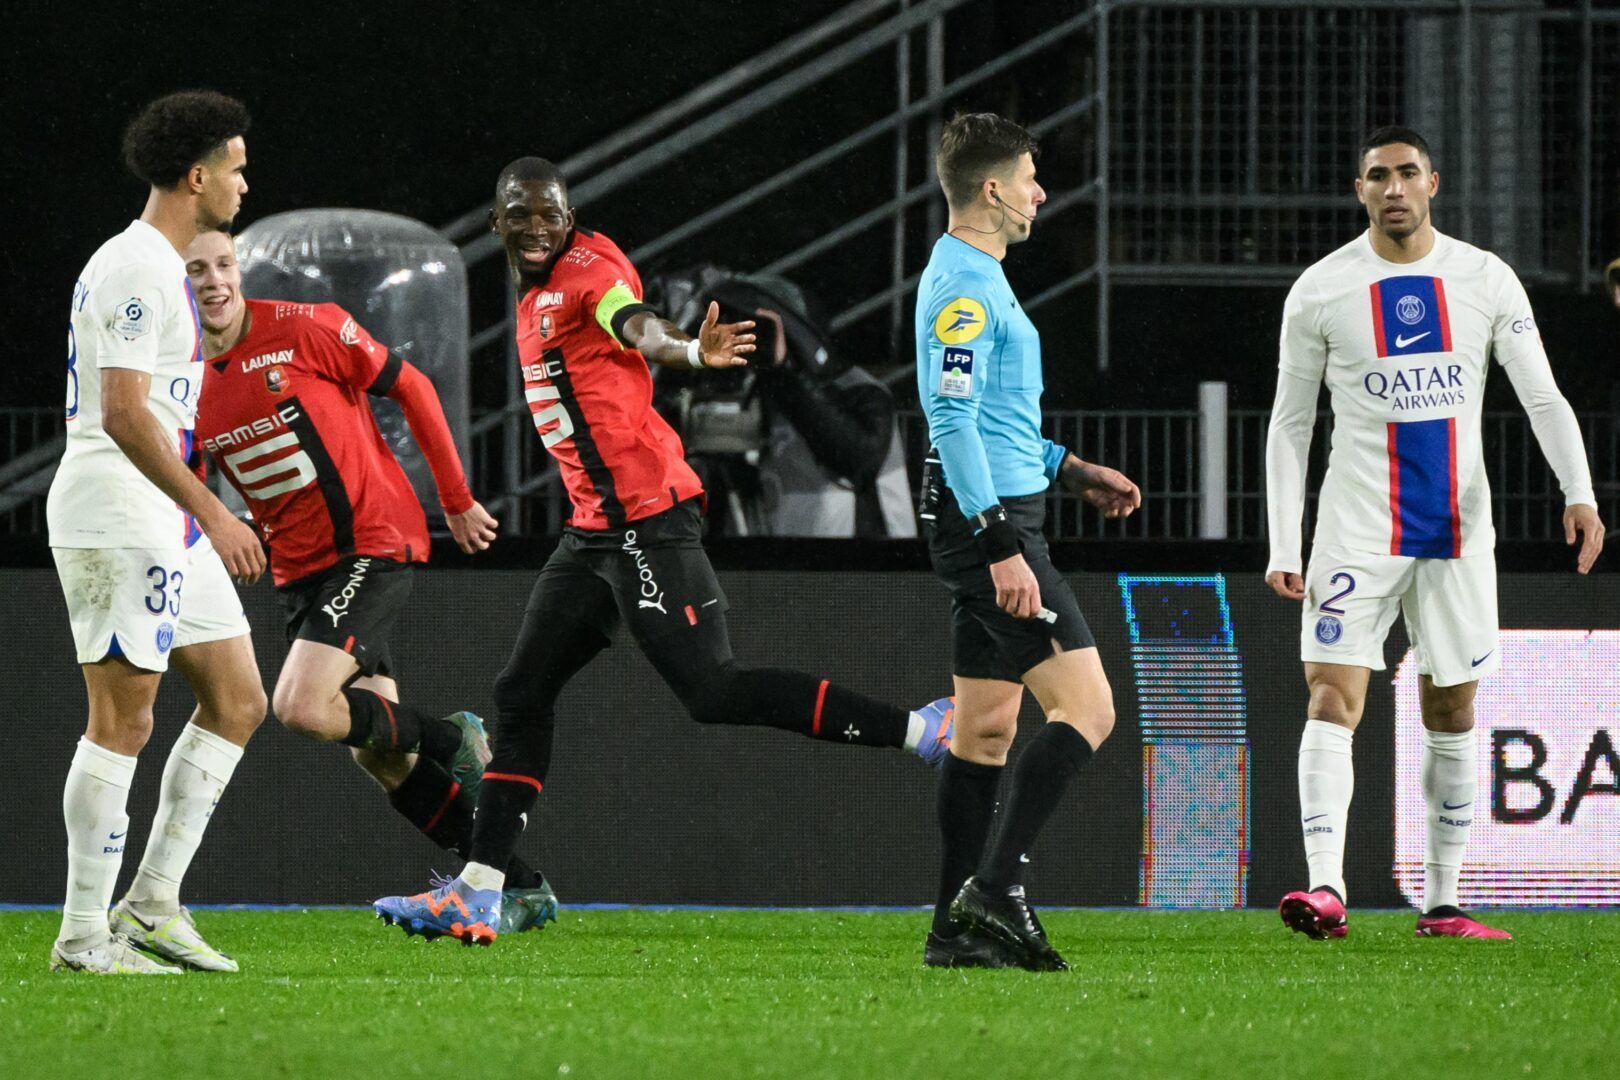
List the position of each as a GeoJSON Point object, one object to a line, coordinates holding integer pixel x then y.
{"type": "Point", "coordinates": [997, 536]}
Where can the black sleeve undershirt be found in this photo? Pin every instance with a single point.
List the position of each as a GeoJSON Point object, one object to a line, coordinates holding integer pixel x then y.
{"type": "Point", "coordinates": [623, 315]}
{"type": "Point", "coordinates": [386, 378]}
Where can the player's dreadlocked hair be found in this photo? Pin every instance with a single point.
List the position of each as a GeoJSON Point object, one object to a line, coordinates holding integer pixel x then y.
{"type": "Point", "coordinates": [178, 130]}
{"type": "Point", "coordinates": [531, 168]}
{"type": "Point", "coordinates": [974, 146]}
{"type": "Point", "coordinates": [1386, 136]}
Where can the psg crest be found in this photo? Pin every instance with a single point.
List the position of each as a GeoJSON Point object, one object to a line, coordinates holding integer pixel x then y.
{"type": "Point", "coordinates": [1329, 629]}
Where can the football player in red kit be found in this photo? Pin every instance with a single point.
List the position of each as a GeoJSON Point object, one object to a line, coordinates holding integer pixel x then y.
{"type": "Point", "coordinates": [283, 413]}
{"type": "Point", "coordinates": [633, 548]}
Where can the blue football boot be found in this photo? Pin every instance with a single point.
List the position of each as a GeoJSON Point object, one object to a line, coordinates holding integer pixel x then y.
{"type": "Point", "coordinates": [451, 908]}
{"type": "Point", "coordinates": [939, 718]}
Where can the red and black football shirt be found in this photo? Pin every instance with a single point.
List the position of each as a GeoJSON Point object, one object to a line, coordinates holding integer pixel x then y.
{"type": "Point", "coordinates": [590, 396]}
{"type": "Point", "coordinates": [285, 417]}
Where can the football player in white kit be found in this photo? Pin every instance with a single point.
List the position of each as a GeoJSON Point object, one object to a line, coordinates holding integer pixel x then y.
{"type": "Point", "coordinates": [1402, 323]}
{"type": "Point", "coordinates": [145, 552]}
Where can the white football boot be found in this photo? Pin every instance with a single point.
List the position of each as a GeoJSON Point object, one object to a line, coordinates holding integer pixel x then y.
{"type": "Point", "coordinates": [174, 938]}
{"type": "Point", "coordinates": [115, 956]}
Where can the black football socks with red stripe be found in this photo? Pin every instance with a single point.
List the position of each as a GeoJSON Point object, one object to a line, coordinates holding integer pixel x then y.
{"type": "Point", "coordinates": [964, 806]}
{"type": "Point", "coordinates": [523, 735]}
{"type": "Point", "coordinates": [1043, 772]}
{"type": "Point", "coordinates": [503, 802]}
{"type": "Point", "coordinates": [716, 689]}
{"type": "Point", "coordinates": [430, 799]}
{"type": "Point", "coordinates": [794, 701]}
{"type": "Point", "coordinates": [375, 723]}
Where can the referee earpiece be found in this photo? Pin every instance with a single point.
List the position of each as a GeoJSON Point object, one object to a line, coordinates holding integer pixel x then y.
{"type": "Point", "coordinates": [996, 195]}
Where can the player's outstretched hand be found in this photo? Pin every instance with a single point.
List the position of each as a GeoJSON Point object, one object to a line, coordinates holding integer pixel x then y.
{"type": "Point", "coordinates": [238, 547]}
{"type": "Point", "coordinates": [1109, 490]}
{"type": "Point", "coordinates": [724, 345]}
{"type": "Point", "coordinates": [1017, 591]}
{"type": "Point", "coordinates": [1286, 585]}
{"type": "Point", "coordinates": [473, 529]}
{"type": "Point", "coordinates": [1584, 520]}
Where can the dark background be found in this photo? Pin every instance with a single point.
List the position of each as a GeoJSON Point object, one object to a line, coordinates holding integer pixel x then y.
{"type": "Point", "coordinates": [414, 107]}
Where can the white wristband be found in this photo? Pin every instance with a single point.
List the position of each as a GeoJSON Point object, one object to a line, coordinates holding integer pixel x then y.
{"type": "Point", "coordinates": [694, 354]}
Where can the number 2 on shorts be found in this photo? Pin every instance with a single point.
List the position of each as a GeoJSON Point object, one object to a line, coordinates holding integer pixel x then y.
{"type": "Point", "coordinates": [1350, 587]}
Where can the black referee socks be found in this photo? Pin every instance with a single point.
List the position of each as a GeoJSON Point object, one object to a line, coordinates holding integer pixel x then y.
{"type": "Point", "coordinates": [964, 806]}
{"type": "Point", "coordinates": [1039, 779]}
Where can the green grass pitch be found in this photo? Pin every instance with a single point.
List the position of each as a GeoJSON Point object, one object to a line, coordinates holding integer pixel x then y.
{"type": "Point", "coordinates": [828, 993]}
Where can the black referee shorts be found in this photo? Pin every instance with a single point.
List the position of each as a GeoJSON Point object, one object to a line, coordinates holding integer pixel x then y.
{"type": "Point", "coordinates": [352, 605]}
{"type": "Point", "coordinates": [986, 642]}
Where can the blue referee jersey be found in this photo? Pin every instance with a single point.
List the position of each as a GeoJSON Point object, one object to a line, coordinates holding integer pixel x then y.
{"type": "Point", "coordinates": [979, 379]}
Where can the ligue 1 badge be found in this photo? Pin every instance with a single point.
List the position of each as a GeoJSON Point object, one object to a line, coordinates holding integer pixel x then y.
{"type": "Point", "coordinates": [1329, 630]}
{"type": "Point", "coordinates": [130, 321]}
{"type": "Point", "coordinates": [275, 380]}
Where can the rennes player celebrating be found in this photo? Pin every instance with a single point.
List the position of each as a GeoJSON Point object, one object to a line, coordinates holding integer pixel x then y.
{"type": "Point", "coordinates": [283, 413]}
{"type": "Point", "coordinates": [633, 549]}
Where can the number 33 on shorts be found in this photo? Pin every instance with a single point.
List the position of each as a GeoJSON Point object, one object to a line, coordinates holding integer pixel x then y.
{"type": "Point", "coordinates": [123, 602]}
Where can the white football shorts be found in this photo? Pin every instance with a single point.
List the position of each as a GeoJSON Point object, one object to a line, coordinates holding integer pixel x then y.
{"type": "Point", "coordinates": [1351, 599]}
{"type": "Point", "coordinates": [143, 604]}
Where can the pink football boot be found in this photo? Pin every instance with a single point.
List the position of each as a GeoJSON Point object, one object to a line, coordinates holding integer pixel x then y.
{"type": "Point", "coordinates": [1453, 922]}
{"type": "Point", "coordinates": [1317, 914]}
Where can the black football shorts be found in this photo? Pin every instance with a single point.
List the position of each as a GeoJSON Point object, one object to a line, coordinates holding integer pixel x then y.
{"type": "Point", "coordinates": [352, 605]}
{"type": "Point", "coordinates": [651, 574]}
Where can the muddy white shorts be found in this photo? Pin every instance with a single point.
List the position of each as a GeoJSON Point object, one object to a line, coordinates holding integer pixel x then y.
{"type": "Point", "coordinates": [143, 604]}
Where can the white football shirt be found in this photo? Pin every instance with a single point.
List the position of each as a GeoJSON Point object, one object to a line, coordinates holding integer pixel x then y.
{"type": "Point", "coordinates": [1405, 349]}
{"type": "Point", "coordinates": [132, 308]}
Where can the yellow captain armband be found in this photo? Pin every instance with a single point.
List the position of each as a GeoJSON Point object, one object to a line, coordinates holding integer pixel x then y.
{"type": "Point", "coordinates": [615, 309]}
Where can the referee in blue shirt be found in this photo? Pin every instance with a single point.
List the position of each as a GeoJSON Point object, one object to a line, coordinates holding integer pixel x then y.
{"type": "Point", "coordinates": [1014, 620]}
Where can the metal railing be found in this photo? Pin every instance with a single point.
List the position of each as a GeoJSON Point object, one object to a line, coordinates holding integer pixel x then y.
{"type": "Point", "coordinates": [818, 55]}
{"type": "Point", "coordinates": [31, 438]}
{"type": "Point", "coordinates": [1210, 141]}
{"type": "Point", "coordinates": [1160, 449]}
{"type": "Point", "coordinates": [1224, 153]}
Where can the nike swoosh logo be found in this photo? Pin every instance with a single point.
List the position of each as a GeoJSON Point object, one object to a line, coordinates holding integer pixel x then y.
{"type": "Point", "coordinates": [142, 923]}
{"type": "Point", "coordinates": [1314, 818]}
{"type": "Point", "coordinates": [1482, 659]}
{"type": "Point", "coordinates": [1459, 806]}
{"type": "Point", "coordinates": [1403, 342]}
{"type": "Point", "coordinates": [117, 835]}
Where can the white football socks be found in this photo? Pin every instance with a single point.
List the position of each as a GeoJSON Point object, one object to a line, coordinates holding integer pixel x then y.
{"type": "Point", "coordinates": [199, 767]}
{"type": "Point", "coordinates": [1449, 783]}
{"type": "Point", "coordinates": [1326, 782]}
{"type": "Point", "coordinates": [480, 876]}
{"type": "Point", "coordinates": [93, 805]}
{"type": "Point", "coordinates": [916, 727]}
